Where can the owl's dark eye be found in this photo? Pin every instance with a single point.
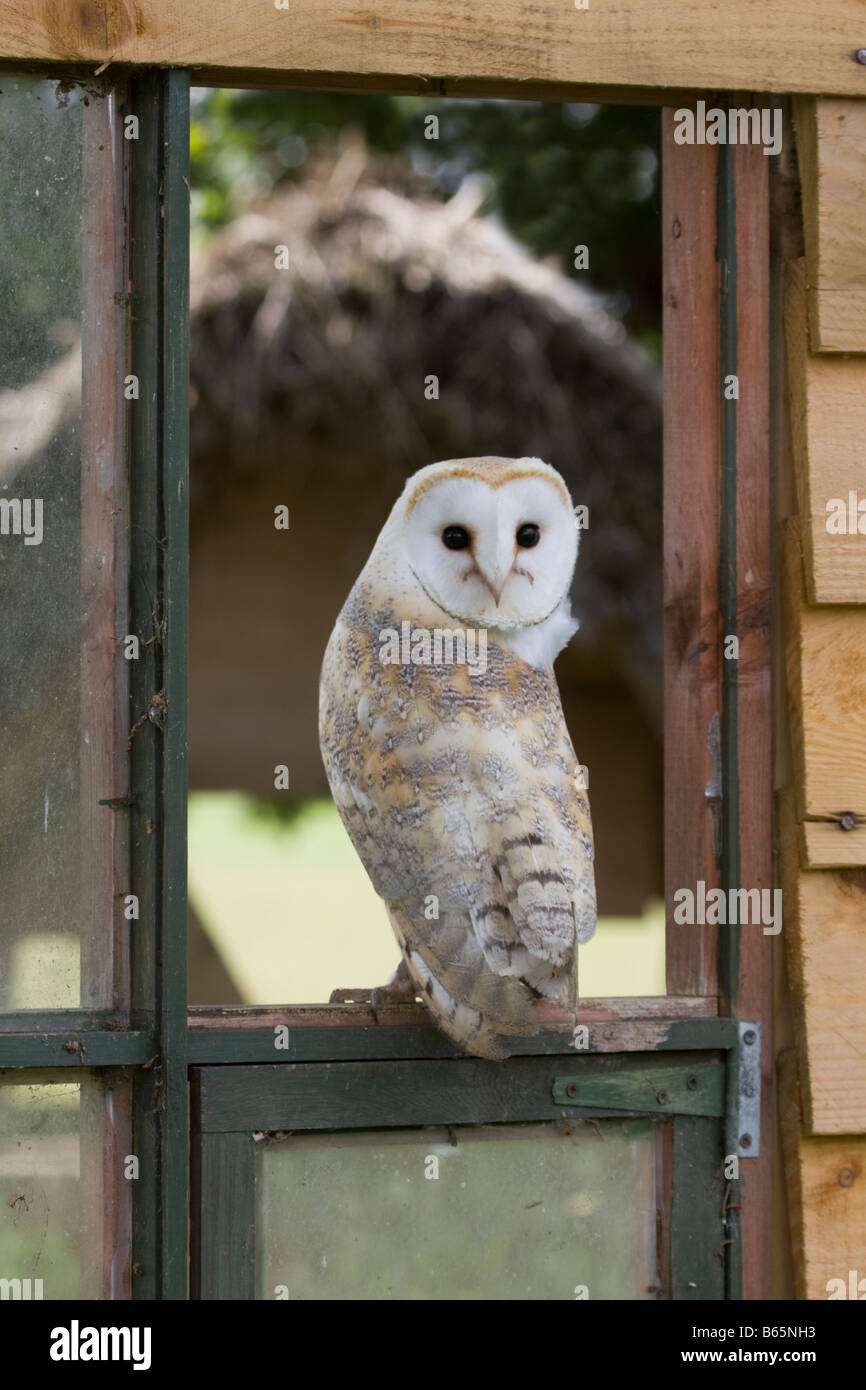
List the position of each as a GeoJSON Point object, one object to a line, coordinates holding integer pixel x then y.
{"type": "Point", "coordinates": [455, 537]}
{"type": "Point", "coordinates": [528, 535]}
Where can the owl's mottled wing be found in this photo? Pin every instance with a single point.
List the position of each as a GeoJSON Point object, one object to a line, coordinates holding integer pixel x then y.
{"type": "Point", "coordinates": [461, 793]}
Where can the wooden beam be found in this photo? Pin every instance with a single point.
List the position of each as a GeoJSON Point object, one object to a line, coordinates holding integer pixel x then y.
{"type": "Point", "coordinates": [754, 994]}
{"type": "Point", "coordinates": [105, 719]}
{"type": "Point", "coordinates": [780, 45]}
{"type": "Point", "coordinates": [831, 148]}
{"type": "Point", "coordinates": [693, 702]}
{"type": "Point", "coordinates": [826, 676]}
{"type": "Point", "coordinates": [828, 430]}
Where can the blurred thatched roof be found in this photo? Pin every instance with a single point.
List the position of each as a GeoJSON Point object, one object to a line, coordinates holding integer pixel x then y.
{"type": "Point", "coordinates": [386, 286]}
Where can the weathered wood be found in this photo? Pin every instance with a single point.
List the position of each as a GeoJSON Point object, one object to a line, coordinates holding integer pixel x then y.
{"type": "Point", "coordinates": [353, 1095]}
{"type": "Point", "coordinates": [782, 44]}
{"type": "Point", "coordinates": [831, 147]}
{"type": "Point", "coordinates": [754, 985]}
{"type": "Point", "coordinates": [826, 676]}
{"type": "Point", "coordinates": [284, 1042]}
{"type": "Point", "coordinates": [360, 1015]}
{"type": "Point", "coordinates": [106, 1193]}
{"type": "Point", "coordinates": [695, 1089]}
{"type": "Point", "coordinates": [691, 540]}
{"type": "Point", "coordinates": [697, 1233]}
{"type": "Point", "coordinates": [223, 1225]}
{"type": "Point", "coordinates": [826, 1180]}
{"type": "Point", "coordinates": [104, 565]}
{"type": "Point", "coordinates": [828, 427]}
{"type": "Point", "coordinates": [74, 1049]}
{"type": "Point", "coordinates": [824, 915]}
{"type": "Point", "coordinates": [104, 848]}
{"type": "Point", "coordinates": [786, 244]}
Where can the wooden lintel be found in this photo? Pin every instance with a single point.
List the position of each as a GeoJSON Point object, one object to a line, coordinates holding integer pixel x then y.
{"type": "Point", "coordinates": [780, 45]}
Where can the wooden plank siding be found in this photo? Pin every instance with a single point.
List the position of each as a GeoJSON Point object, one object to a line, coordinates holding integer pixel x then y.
{"type": "Point", "coordinates": [826, 1181]}
{"type": "Point", "coordinates": [823, 804]}
{"type": "Point", "coordinates": [828, 428]}
{"type": "Point", "coordinates": [779, 45]}
{"type": "Point", "coordinates": [831, 138]}
{"type": "Point", "coordinates": [826, 672]}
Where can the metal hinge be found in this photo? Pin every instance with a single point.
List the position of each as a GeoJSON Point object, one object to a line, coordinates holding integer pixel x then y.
{"type": "Point", "coordinates": [749, 1090]}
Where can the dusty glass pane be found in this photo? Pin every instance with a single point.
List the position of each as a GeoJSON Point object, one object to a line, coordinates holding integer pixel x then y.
{"type": "Point", "coordinates": [517, 1212]}
{"type": "Point", "coordinates": [40, 1191]}
{"type": "Point", "coordinates": [64, 1204]}
{"type": "Point", "coordinates": [56, 563]}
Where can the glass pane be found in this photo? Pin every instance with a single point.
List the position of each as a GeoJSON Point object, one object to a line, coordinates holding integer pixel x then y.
{"type": "Point", "coordinates": [493, 1212]}
{"type": "Point", "coordinates": [59, 511]}
{"type": "Point", "coordinates": [432, 304]}
{"type": "Point", "coordinates": [63, 1204]}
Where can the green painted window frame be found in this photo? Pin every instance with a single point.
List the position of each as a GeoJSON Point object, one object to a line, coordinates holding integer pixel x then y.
{"type": "Point", "coordinates": [161, 1046]}
{"type": "Point", "coordinates": [230, 1104]}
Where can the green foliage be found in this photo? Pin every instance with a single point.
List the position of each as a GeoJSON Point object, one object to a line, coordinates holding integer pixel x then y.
{"type": "Point", "coordinates": [559, 174]}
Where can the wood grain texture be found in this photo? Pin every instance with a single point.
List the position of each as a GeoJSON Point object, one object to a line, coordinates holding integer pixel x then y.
{"type": "Point", "coordinates": [104, 722]}
{"type": "Point", "coordinates": [824, 920]}
{"type": "Point", "coordinates": [779, 45]}
{"type": "Point", "coordinates": [359, 1095]}
{"type": "Point", "coordinates": [828, 429]}
{"type": "Point", "coordinates": [650, 1007]}
{"type": "Point", "coordinates": [754, 996]}
{"type": "Point", "coordinates": [697, 1268]}
{"type": "Point", "coordinates": [222, 1238]}
{"type": "Point", "coordinates": [237, 1040]}
{"type": "Point", "coordinates": [826, 1180]}
{"type": "Point", "coordinates": [691, 547]}
{"type": "Point", "coordinates": [826, 844]}
{"type": "Point", "coordinates": [831, 145]}
{"type": "Point", "coordinates": [826, 676]}
{"type": "Point", "coordinates": [106, 1199]}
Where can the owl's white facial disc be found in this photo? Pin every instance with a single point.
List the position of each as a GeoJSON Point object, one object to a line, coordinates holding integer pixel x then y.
{"type": "Point", "coordinates": [493, 556]}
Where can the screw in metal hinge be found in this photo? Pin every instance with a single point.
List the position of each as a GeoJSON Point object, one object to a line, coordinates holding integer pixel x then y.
{"type": "Point", "coordinates": [571, 1090]}
{"type": "Point", "coordinates": [745, 1141]}
{"type": "Point", "coordinates": [662, 1097]}
{"type": "Point", "coordinates": [749, 1036]}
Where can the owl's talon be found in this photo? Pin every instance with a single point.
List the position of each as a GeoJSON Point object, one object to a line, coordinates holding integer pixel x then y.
{"type": "Point", "coordinates": [400, 988]}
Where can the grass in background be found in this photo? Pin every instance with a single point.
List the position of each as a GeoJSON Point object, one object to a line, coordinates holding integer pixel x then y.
{"type": "Point", "coordinates": [292, 913]}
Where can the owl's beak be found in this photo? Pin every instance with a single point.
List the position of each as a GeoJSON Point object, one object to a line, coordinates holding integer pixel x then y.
{"type": "Point", "coordinates": [495, 586]}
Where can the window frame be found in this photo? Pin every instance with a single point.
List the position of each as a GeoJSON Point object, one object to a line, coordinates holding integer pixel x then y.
{"type": "Point", "coordinates": [718, 201]}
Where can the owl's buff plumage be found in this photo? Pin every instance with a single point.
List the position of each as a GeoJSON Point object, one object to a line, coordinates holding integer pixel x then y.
{"type": "Point", "coordinates": [461, 792]}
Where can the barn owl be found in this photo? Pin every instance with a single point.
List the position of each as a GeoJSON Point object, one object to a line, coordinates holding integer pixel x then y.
{"type": "Point", "coordinates": [449, 759]}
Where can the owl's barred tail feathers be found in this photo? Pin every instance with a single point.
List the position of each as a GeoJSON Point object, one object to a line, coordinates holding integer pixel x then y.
{"type": "Point", "coordinates": [473, 1005]}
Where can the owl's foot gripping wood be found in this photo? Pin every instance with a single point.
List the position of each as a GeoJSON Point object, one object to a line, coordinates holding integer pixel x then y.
{"type": "Point", "coordinates": [400, 989]}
